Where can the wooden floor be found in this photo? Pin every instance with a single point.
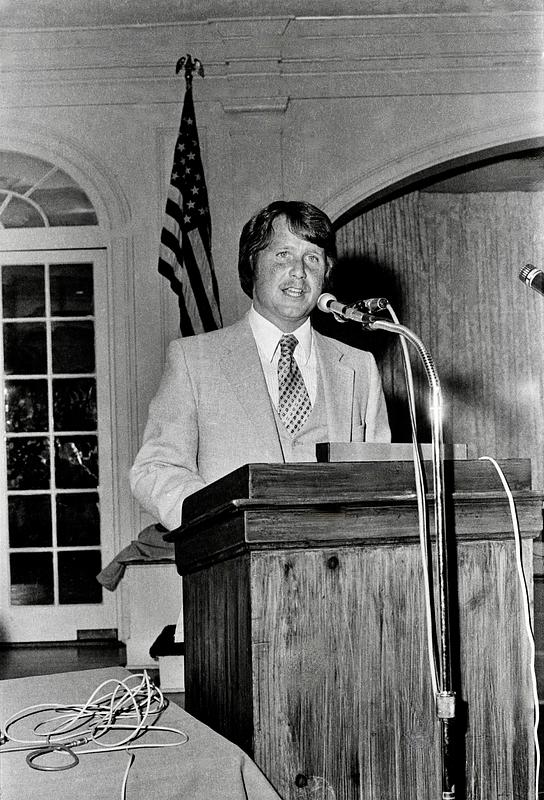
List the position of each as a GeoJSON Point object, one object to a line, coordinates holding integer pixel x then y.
{"type": "Point", "coordinates": [23, 661]}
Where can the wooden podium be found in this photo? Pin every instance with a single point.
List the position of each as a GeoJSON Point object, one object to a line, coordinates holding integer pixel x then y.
{"type": "Point", "coordinates": [305, 629]}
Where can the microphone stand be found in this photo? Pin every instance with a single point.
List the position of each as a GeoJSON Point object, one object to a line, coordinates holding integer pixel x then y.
{"type": "Point", "coordinates": [445, 700]}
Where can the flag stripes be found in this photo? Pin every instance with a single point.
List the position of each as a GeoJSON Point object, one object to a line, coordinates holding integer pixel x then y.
{"type": "Point", "coordinates": [185, 256]}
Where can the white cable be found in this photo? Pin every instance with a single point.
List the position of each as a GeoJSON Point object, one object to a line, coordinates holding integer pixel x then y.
{"type": "Point", "coordinates": [131, 758]}
{"type": "Point", "coordinates": [525, 602]}
{"type": "Point", "coordinates": [422, 514]}
{"type": "Point", "coordinates": [100, 714]}
{"type": "Point", "coordinates": [106, 708]}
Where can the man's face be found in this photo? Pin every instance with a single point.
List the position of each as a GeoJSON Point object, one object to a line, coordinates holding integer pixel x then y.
{"type": "Point", "coordinates": [288, 278]}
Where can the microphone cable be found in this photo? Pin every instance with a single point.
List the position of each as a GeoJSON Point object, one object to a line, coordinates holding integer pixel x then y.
{"type": "Point", "coordinates": [526, 605]}
{"type": "Point", "coordinates": [423, 519]}
{"type": "Point", "coordinates": [133, 707]}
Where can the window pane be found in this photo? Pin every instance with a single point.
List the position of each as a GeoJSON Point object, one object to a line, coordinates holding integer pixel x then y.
{"type": "Point", "coordinates": [28, 463]}
{"type": "Point", "coordinates": [26, 406]}
{"type": "Point", "coordinates": [31, 579]}
{"type": "Point", "coordinates": [23, 291]}
{"type": "Point", "coordinates": [78, 519]}
{"type": "Point", "coordinates": [71, 290]}
{"type": "Point", "coordinates": [76, 462]}
{"type": "Point", "coordinates": [19, 213]}
{"type": "Point", "coordinates": [30, 521]}
{"type": "Point", "coordinates": [74, 404]}
{"type": "Point", "coordinates": [77, 577]}
{"type": "Point", "coordinates": [73, 347]}
{"type": "Point", "coordinates": [65, 205]}
{"type": "Point", "coordinates": [25, 351]}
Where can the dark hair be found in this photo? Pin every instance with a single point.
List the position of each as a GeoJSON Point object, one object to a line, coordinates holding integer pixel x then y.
{"type": "Point", "coordinates": [303, 219]}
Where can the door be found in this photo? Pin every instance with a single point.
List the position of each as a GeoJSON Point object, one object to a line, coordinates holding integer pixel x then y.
{"type": "Point", "coordinates": [56, 521]}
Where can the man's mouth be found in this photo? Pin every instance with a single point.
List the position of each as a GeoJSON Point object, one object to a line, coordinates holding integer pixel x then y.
{"type": "Point", "coordinates": [293, 291]}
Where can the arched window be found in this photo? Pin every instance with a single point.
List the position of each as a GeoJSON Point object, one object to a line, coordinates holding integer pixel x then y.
{"type": "Point", "coordinates": [55, 462]}
{"type": "Point", "coordinates": [37, 194]}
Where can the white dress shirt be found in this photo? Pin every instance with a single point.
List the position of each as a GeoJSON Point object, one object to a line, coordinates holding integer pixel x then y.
{"type": "Point", "coordinates": [267, 337]}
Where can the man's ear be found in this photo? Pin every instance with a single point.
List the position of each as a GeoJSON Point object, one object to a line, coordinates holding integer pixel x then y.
{"type": "Point", "coordinates": [327, 280]}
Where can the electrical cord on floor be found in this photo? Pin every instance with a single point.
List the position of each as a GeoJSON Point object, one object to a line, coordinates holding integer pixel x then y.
{"type": "Point", "coordinates": [131, 707]}
{"type": "Point", "coordinates": [526, 605]}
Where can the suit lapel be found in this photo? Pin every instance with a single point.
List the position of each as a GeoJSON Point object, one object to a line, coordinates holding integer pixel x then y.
{"type": "Point", "coordinates": [338, 378]}
{"type": "Point", "coordinates": [241, 365]}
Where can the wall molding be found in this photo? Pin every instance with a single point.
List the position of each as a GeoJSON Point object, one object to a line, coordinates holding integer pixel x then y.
{"type": "Point", "coordinates": [275, 56]}
{"type": "Point", "coordinates": [256, 105]}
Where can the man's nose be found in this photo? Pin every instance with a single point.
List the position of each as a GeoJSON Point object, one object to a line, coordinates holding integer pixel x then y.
{"type": "Point", "coordinates": [298, 267]}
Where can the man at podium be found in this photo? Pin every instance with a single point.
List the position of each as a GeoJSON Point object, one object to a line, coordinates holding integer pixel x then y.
{"type": "Point", "coordinates": [267, 388]}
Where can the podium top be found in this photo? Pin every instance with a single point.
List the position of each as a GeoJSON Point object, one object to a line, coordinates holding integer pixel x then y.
{"type": "Point", "coordinates": [343, 482]}
{"type": "Point", "coordinates": [261, 507]}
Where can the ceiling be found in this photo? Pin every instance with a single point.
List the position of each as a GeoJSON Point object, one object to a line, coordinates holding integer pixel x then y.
{"type": "Point", "coordinates": [83, 13]}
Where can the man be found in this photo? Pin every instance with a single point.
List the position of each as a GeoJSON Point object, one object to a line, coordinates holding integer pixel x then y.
{"type": "Point", "coordinates": [267, 388]}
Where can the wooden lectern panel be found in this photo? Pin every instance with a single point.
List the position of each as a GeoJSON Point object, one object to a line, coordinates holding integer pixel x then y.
{"type": "Point", "coordinates": [306, 644]}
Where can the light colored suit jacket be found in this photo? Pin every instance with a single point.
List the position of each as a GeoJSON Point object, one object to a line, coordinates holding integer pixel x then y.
{"type": "Point", "coordinates": [212, 413]}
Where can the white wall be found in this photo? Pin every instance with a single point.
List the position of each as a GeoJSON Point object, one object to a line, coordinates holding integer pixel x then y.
{"type": "Point", "coordinates": [329, 110]}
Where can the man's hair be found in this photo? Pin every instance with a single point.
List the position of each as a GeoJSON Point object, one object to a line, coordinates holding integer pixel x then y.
{"type": "Point", "coordinates": [303, 219]}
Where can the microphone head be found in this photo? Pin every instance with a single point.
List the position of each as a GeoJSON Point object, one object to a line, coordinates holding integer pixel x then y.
{"type": "Point", "coordinates": [372, 304]}
{"type": "Point", "coordinates": [525, 273]}
{"type": "Point", "coordinates": [533, 278]}
{"type": "Point", "coordinates": [323, 302]}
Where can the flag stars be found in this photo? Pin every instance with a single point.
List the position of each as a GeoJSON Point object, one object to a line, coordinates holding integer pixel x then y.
{"type": "Point", "coordinates": [191, 216]}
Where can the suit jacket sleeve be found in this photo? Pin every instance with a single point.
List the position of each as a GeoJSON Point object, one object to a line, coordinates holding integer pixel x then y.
{"type": "Point", "coordinates": [376, 418]}
{"type": "Point", "coordinates": [165, 470]}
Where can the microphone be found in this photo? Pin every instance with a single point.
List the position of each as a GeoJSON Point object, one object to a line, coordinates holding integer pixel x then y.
{"type": "Point", "coordinates": [330, 305]}
{"type": "Point", "coordinates": [373, 304]}
{"type": "Point", "coordinates": [533, 277]}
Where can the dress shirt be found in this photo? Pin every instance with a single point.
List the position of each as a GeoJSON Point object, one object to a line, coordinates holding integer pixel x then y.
{"type": "Point", "coordinates": [267, 337]}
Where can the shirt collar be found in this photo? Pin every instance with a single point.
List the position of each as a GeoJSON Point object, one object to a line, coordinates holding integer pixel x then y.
{"type": "Point", "coordinates": [267, 335]}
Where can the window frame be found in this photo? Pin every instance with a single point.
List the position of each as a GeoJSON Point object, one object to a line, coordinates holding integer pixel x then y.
{"type": "Point", "coordinates": [36, 623]}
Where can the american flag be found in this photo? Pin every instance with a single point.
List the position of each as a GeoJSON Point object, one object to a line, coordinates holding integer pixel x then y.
{"type": "Point", "coordinates": [185, 254]}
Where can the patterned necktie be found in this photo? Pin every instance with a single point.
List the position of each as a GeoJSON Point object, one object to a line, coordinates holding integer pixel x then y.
{"type": "Point", "coordinates": [294, 403]}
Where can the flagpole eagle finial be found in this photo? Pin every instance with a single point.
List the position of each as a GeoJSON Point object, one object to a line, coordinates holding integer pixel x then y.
{"type": "Point", "coordinates": [190, 65]}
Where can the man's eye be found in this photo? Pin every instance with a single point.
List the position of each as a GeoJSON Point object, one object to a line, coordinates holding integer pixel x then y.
{"type": "Point", "coordinates": [313, 258]}
{"type": "Point", "coordinates": [283, 254]}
